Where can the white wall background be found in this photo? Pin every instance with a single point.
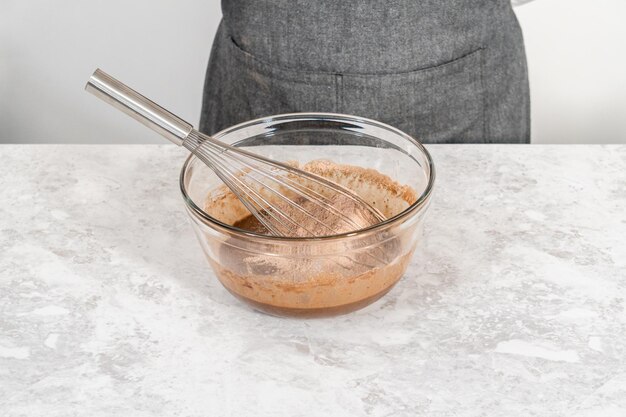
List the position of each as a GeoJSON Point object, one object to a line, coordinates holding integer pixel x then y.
{"type": "Point", "coordinates": [48, 48]}
{"type": "Point", "coordinates": [576, 53]}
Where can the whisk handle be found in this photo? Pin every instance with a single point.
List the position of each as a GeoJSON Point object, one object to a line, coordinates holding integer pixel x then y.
{"type": "Point", "coordinates": [145, 111]}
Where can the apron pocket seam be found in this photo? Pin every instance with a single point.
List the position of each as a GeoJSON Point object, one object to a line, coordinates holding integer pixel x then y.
{"type": "Point", "coordinates": [281, 72]}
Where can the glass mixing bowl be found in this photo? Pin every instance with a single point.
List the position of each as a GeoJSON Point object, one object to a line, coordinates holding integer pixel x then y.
{"type": "Point", "coordinates": [321, 276]}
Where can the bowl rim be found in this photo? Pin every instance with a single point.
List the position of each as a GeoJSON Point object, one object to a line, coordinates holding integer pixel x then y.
{"type": "Point", "coordinates": [411, 210]}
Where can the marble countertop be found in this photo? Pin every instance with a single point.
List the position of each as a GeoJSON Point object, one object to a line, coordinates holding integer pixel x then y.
{"type": "Point", "coordinates": [515, 304]}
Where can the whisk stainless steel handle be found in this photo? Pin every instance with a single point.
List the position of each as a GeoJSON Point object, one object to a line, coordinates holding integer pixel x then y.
{"type": "Point", "coordinates": [286, 200]}
{"type": "Point", "coordinates": [145, 111]}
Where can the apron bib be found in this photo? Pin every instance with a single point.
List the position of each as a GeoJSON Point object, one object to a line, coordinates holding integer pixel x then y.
{"type": "Point", "coordinates": [443, 74]}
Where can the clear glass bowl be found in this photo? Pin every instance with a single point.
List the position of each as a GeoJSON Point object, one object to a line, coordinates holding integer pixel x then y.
{"type": "Point", "coordinates": [314, 277]}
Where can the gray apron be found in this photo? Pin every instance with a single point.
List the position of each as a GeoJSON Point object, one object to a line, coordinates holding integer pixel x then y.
{"type": "Point", "coordinates": [443, 71]}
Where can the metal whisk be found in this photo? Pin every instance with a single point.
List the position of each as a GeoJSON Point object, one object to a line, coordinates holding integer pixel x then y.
{"type": "Point", "coordinates": [286, 200]}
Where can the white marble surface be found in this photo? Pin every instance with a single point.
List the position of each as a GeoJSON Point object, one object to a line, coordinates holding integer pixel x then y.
{"type": "Point", "coordinates": [514, 306]}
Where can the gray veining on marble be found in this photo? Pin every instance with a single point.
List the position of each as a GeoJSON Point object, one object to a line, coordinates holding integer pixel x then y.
{"type": "Point", "coordinates": [514, 306]}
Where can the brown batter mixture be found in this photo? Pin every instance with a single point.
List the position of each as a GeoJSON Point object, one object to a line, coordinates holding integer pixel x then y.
{"type": "Point", "coordinates": [307, 279]}
{"type": "Point", "coordinates": [307, 226]}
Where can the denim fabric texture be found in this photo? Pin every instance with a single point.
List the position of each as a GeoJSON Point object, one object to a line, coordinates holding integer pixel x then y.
{"type": "Point", "coordinates": [451, 71]}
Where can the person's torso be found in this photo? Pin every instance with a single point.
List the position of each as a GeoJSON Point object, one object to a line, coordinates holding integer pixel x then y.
{"type": "Point", "coordinates": [363, 36]}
